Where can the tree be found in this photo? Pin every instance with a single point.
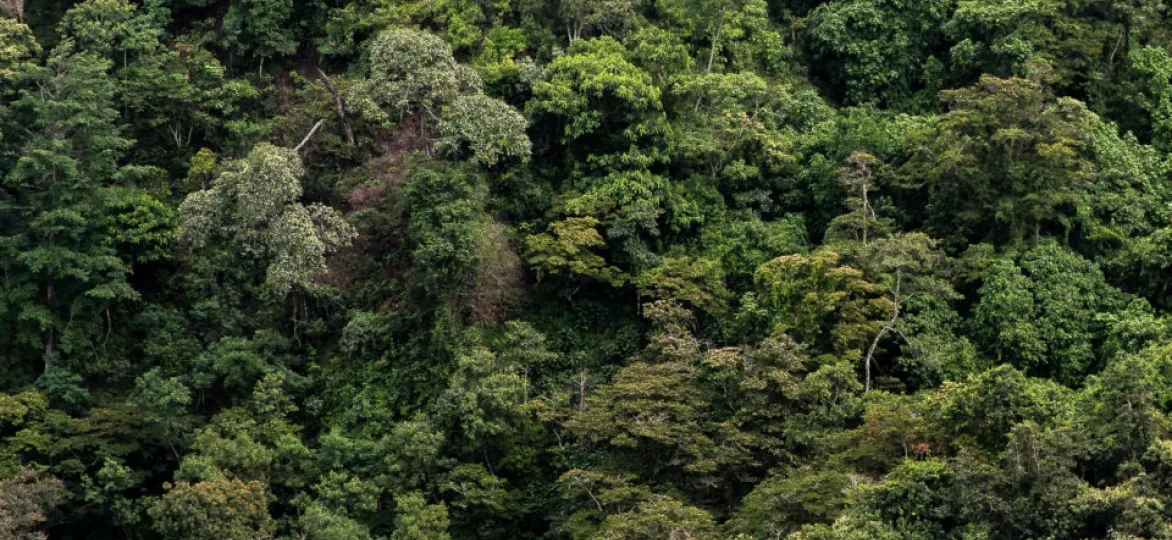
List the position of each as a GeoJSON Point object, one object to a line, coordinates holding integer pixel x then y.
{"type": "Point", "coordinates": [781, 504]}
{"type": "Point", "coordinates": [1006, 39]}
{"type": "Point", "coordinates": [610, 16]}
{"type": "Point", "coordinates": [1007, 155]}
{"type": "Point", "coordinates": [878, 51]}
{"type": "Point", "coordinates": [17, 44]}
{"type": "Point", "coordinates": [485, 398]}
{"type": "Point", "coordinates": [259, 27]}
{"type": "Point", "coordinates": [661, 517]}
{"type": "Point", "coordinates": [699, 283]}
{"type": "Point", "coordinates": [862, 222]}
{"type": "Point", "coordinates": [320, 523]}
{"type": "Point", "coordinates": [60, 266]}
{"type": "Point", "coordinates": [413, 71]}
{"type": "Point", "coordinates": [906, 266]}
{"type": "Point", "coordinates": [813, 297]}
{"type": "Point", "coordinates": [565, 249]}
{"type": "Point", "coordinates": [417, 520]}
{"type": "Point", "coordinates": [652, 416]}
{"type": "Point", "coordinates": [1153, 91]}
{"type": "Point", "coordinates": [486, 127]}
{"type": "Point", "coordinates": [225, 509]}
{"type": "Point", "coordinates": [1041, 314]}
{"type": "Point", "coordinates": [253, 207]}
{"type": "Point", "coordinates": [447, 225]}
{"type": "Point", "coordinates": [595, 90]}
{"type": "Point", "coordinates": [24, 500]}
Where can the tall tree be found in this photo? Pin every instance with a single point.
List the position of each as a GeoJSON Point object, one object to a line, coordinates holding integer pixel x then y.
{"type": "Point", "coordinates": [60, 267]}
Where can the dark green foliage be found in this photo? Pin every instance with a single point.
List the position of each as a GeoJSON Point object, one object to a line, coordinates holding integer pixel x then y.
{"type": "Point", "coordinates": [579, 269]}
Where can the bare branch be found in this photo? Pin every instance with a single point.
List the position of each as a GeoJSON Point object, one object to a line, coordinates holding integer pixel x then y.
{"type": "Point", "coordinates": [310, 135]}
{"type": "Point", "coordinates": [890, 327]}
{"type": "Point", "coordinates": [339, 105]}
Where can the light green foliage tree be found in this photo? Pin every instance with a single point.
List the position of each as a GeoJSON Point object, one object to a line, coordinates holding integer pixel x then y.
{"type": "Point", "coordinates": [164, 402]}
{"type": "Point", "coordinates": [781, 505]}
{"type": "Point", "coordinates": [253, 207]}
{"type": "Point", "coordinates": [106, 27]}
{"type": "Point", "coordinates": [660, 517]}
{"type": "Point", "coordinates": [225, 509]}
{"type": "Point", "coordinates": [485, 398]}
{"type": "Point", "coordinates": [814, 297]}
{"type": "Point", "coordinates": [487, 127]}
{"type": "Point", "coordinates": [566, 249]}
{"type": "Point", "coordinates": [413, 71]}
{"type": "Point", "coordinates": [1124, 401]}
{"type": "Point", "coordinates": [731, 132]}
{"type": "Point", "coordinates": [319, 522]}
{"type": "Point", "coordinates": [595, 90]}
{"type": "Point", "coordinates": [699, 283]}
{"type": "Point", "coordinates": [17, 44]}
{"type": "Point", "coordinates": [417, 520]}
{"type": "Point", "coordinates": [611, 507]}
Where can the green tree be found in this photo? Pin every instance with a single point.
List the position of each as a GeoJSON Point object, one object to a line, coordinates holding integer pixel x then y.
{"type": "Point", "coordinates": [595, 90]}
{"type": "Point", "coordinates": [60, 267]}
{"type": "Point", "coordinates": [224, 509]}
{"type": "Point", "coordinates": [565, 249]}
{"type": "Point", "coordinates": [17, 44]}
{"type": "Point", "coordinates": [878, 51]}
{"type": "Point", "coordinates": [1002, 163]}
{"type": "Point", "coordinates": [259, 27]}
{"type": "Point", "coordinates": [413, 71]}
{"type": "Point", "coordinates": [417, 520]}
{"type": "Point", "coordinates": [447, 224]}
{"type": "Point", "coordinates": [814, 297]}
{"type": "Point", "coordinates": [487, 127]}
{"type": "Point", "coordinates": [1041, 315]}
{"type": "Point", "coordinates": [253, 207]}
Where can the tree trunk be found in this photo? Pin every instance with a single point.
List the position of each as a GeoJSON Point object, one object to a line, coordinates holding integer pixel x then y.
{"type": "Point", "coordinates": [50, 337]}
{"type": "Point", "coordinates": [339, 105]}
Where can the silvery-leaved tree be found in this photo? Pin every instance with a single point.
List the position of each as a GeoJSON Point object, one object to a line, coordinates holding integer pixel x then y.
{"type": "Point", "coordinates": [413, 74]}
{"type": "Point", "coordinates": [253, 209]}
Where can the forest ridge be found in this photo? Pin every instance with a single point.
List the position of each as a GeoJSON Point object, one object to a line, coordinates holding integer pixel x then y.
{"type": "Point", "coordinates": [585, 269]}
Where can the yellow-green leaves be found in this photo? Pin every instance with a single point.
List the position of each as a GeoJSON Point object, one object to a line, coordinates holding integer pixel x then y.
{"type": "Point", "coordinates": [565, 249]}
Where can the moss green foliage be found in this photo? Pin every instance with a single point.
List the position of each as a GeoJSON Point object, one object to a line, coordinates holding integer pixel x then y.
{"type": "Point", "coordinates": [585, 269]}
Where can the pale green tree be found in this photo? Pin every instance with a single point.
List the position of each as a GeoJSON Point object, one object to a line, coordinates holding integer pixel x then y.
{"type": "Point", "coordinates": [253, 207]}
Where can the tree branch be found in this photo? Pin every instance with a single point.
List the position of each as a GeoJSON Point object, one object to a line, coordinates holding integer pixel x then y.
{"type": "Point", "coordinates": [339, 105]}
{"type": "Point", "coordinates": [310, 135]}
{"type": "Point", "coordinates": [890, 327]}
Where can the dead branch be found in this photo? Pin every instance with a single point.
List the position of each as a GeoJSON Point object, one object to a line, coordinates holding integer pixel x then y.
{"type": "Point", "coordinates": [310, 135]}
{"type": "Point", "coordinates": [339, 105]}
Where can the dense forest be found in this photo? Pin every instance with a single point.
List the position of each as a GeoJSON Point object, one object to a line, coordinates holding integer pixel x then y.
{"type": "Point", "coordinates": [585, 269]}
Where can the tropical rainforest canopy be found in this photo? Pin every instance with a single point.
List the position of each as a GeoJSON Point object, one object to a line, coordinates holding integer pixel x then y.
{"type": "Point", "coordinates": [585, 269]}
